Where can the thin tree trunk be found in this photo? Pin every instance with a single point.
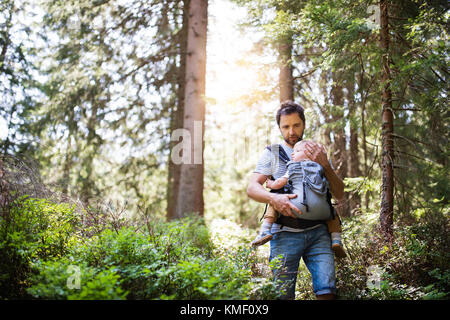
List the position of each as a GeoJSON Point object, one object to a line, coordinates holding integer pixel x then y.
{"type": "Point", "coordinates": [339, 155]}
{"type": "Point", "coordinates": [176, 120]}
{"type": "Point", "coordinates": [325, 130]}
{"type": "Point", "coordinates": [67, 166]}
{"type": "Point", "coordinates": [92, 143]}
{"type": "Point", "coordinates": [4, 189]}
{"type": "Point", "coordinates": [387, 187]}
{"type": "Point", "coordinates": [364, 140]}
{"type": "Point", "coordinates": [286, 80]}
{"type": "Point", "coordinates": [190, 194]}
{"type": "Point", "coordinates": [354, 170]}
{"type": "Point", "coordinates": [337, 114]}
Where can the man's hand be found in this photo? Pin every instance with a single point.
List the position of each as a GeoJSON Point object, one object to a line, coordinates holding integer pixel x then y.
{"type": "Point", "coordinates": [317, 153]}
{"type": "Point", "coordinates": [281, 203]}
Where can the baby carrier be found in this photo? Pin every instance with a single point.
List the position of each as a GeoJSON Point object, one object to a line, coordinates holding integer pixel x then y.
{"type": "Point", "coordinates": [296, 223]}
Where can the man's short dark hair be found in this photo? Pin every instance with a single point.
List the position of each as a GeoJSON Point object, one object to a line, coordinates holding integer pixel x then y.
{"type": "Point", "coordinates": [289, 107]}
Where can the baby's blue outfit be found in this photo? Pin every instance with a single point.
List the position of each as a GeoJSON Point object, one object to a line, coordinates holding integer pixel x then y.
{"type": "Point", "coordinates": [309, 183]}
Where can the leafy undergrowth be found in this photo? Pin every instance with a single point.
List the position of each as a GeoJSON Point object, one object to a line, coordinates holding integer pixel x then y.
{"type": "Point", "coordinates": [55, 251]}
{"type": "Point", "coordinates": [49, 252]}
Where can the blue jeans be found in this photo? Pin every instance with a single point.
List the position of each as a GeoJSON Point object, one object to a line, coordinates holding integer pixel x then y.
{"type": "Point", "coordinates": [314, 246]}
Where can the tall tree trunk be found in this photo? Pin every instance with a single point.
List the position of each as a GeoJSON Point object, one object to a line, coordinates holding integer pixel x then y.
{"type": "Point", "coordinates": [286, 80]}
{"type": "Point", "coordinates": [387, 187]}
{"type": "Point", "coordinates": [364, 139]}
{"type": "Point", "coordinates": [190, 194]}
{"type": "Point", "coordinates": [354, 170]}
{"type": "Point", "coordinates": [176, 120]}
{"type": "Point", "coordinates": [339, 155]}
{"type": "Point", "coordinates": [92, 143]}
{"type": "Point", "coordinates": [65, 181]}
{"type": "Point", "coordinates": [325, 130]}
{"type": "Point", "coordinates": [337, 114]}
{"type": "Point", "coordinates": [68, 159]}
{"type": "Point", "coordinates": [4, 189]}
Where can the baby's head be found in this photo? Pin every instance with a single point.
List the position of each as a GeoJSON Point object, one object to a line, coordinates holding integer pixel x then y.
{"type": "Point", "coordinates": [299, 151]}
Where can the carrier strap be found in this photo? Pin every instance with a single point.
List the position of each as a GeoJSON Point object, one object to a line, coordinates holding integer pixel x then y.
{"type": "Point", "coordinates": [281, 153]}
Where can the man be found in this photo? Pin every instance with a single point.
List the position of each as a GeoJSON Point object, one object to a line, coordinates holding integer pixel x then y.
{"type": "Point", "coordinates": [297, 238]}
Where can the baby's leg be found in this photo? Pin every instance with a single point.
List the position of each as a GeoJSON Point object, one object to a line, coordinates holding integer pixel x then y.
{"type": "Point", "coordinates": [335, 229]}
{"type": "Point", "coordinates": [264, 235]}
{"type": "Point", "coordinates": [271, 215]}
{"type": "Point", "coordinates": [334, 225]}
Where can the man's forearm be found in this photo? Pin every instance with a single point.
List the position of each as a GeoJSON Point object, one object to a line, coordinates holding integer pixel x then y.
{"type": "Point", "coordinates": [258, 193]}
{"type": "Point", "coordinates": [336, 184]}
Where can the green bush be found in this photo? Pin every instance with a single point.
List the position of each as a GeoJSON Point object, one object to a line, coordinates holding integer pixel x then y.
{"type": "Point", "coordinates": [32, 229]}
{"type": "Point", "coordinates": [46, 255]}
{"type": "Point", "coordinates": [414, 266]}
{"type": "Point", "coordinates": [57, 280]}
{"type": "Point", "coordinates": [170, 260]}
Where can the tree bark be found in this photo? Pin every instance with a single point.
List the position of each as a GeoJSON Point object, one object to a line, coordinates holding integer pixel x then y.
{"type": "Point", "coordinates": [176, 120]}
{"type": "Point", "coordinates": [92, 143]}
{"type": "Point", "coordinates": [286, 80]}
{"type": "Point", "coordinates": [354, 170]}
{"type": "Point", "coordinates": [325, 129]}
{"type": "Point", "coordinates": [387, 160]}
{"type": "Point", "coordinates": [190, 194]}
{"type": "Point", "coordinates": [339, 154]}
{"type": "Point", "coordinates": [4, 189]}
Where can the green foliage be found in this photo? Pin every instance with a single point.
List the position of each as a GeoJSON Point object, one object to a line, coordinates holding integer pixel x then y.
{"type": "Point", "coordinates": [361, 185]}
{"type": "Point", "coordinates": [17, 76]}
{"type": "Point", "coordinates": [51, 281]}
{"type": "Point", "coordinates": [33, 229]}
{"type": "Point", "coordinates": [414, 266]}
{"type": "Point", "coordinates": [200, 278]}
{"type": "Point", "coordinates": [44, 256]}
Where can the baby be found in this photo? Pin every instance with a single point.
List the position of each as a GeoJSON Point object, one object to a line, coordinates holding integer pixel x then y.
{"type": "Point", "coordinates": [310, 185]}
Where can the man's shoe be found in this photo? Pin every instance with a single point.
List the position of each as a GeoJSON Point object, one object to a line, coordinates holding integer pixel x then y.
{"type": "Point", "coordinates": [338, 249]}
{"type": "Point", "coordinates": [262, 238]}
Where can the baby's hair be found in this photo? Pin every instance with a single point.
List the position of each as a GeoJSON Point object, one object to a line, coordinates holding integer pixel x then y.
{"type": "Point", "coordinates": [300, 142]}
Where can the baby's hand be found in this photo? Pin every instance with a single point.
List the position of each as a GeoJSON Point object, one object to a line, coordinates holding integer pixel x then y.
{"type": "Point", "coordinates": [269, 183]}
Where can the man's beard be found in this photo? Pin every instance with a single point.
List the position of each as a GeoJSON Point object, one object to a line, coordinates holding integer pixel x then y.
{"type": "Point", "coordinates": [294, 139]}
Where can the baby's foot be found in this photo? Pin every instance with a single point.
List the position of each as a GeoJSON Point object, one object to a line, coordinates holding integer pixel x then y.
{"type": "Point", "coordinates": [338, 249]}
{"type": "Point", "coordinates": [263, 237]}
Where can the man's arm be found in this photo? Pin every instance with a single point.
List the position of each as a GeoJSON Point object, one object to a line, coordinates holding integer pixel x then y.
{"type": "Point", "coordinates": [317, 153]}
{"type": "Point", "coordinates": [335, 183]}
{"type": "Point", "coordinates": [280, 202]}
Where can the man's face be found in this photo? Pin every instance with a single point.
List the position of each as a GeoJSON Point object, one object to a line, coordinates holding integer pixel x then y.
{"type": "Point", "coordinates": [291, 127]}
